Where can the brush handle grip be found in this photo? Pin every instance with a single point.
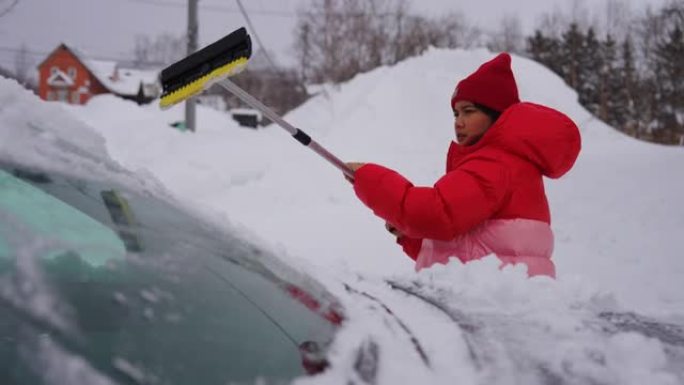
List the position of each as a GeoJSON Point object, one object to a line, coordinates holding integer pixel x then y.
{"type": "Point", "coordinates": [298, 134]}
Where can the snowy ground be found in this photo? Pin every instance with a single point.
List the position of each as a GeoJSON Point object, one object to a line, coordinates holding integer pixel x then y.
{"type": "Point", "coordinates": [611, 317]}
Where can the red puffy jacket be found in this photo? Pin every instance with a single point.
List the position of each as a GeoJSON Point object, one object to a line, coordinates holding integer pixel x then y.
{"type": "Point", "coordinates": [498, 179]}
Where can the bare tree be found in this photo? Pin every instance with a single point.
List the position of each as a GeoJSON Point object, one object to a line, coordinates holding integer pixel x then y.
{"type": "Point", "coordinates": [618, 18]}
{"type": "Point", "coordinates": [336, 39]}
{"type": "Point", "coordinates": [553, 24]}
{"type": "Point", "coordinates": [304, 46]}
{"type": "Point", "coordinates": [509, 37]}
{"type": "Point", "coordinates": [454, 31]}
{"type": "Point", "coordinates": [23, 64]}
{"type": "Point", "coordinates": [580, 15]}
{"type": "Point", "coordinates": [649, 30]}
{"type": "Point", "coordinates": [412, 40]}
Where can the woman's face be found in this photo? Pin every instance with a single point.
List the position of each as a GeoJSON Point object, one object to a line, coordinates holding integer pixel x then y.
{"type": "Point", "coordinates": [469, 122]}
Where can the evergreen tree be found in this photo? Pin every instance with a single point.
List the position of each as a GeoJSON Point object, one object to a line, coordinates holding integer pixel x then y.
{"type": "Point", "coordinates": [545, 50]}
{"type": "Point", "coordinates": [591, 73]}
{"type": "Point", "coordinates": [647, 106]}
{"type": "Point", "coordinates": [627, 94]}
{"type": "Point", "coordinates": [611, 106]}
{"type": "Point", "coordinates": [669, 68]}
{"type": "Point", "coordinates": [570, 51]}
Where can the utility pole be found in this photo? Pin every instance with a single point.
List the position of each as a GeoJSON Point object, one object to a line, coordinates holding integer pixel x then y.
{"type": "Point", "coordinates": [192, 47]}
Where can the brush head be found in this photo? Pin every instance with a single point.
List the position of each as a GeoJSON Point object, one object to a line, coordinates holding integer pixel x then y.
{"type": "Point", "coordinates": [198, 71]}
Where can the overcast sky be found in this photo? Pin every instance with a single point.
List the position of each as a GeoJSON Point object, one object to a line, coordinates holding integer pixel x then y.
{"type": "Point", "coordinates": [107, 28]}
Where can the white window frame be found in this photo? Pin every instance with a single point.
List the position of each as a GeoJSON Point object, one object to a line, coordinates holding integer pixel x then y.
{"type": "Point", "coordinates": [72, 72]}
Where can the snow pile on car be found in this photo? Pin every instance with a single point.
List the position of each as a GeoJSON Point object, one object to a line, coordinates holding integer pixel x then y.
{"type": "Point", "coordinates": [477, 324]}
{"type": "Point", "coordinates": [44, 135]}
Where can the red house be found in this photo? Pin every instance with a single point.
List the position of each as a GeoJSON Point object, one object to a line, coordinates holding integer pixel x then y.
{"type": "Point", "coordinates": [69, 77]}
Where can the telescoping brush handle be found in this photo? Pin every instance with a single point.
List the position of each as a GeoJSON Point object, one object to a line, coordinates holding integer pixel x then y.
{"type": "Point", "coordinates": [298, 134]}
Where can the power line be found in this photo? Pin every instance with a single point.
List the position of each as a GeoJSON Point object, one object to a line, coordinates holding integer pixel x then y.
{"type": "Point", "coordinates": [17, 50]}
{"type": "Point", "coordinates": [241, 9]}
{"type": "Point", "coordinates": [264, 12]}
{"type": "Point", "coordinates": [210, 7]}
{"type": "Point", "coordinates": [90, 57]}
{"type": "Point", "coordinates": [9, 9]}
{"type": "Point", "coordinates": [256, 36]}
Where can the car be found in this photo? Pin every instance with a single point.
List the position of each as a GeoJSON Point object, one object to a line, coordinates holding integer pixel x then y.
{"type": "Point", "coordinates": [102, 282]}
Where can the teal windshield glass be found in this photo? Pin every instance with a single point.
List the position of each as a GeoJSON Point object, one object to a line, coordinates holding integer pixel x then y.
{"type": "Point", "coordinates": [137, 291]}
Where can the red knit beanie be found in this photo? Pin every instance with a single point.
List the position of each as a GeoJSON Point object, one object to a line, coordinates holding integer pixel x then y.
{"type": "Point", "coordinates": [492, 85]}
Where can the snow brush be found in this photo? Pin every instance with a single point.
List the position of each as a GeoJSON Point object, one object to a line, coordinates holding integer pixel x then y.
{"type": "Point", "coordinates": [214, 64]}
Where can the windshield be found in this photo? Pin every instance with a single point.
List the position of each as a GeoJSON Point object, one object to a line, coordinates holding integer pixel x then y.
{"type": "Point", "coordinates": [134, 290]}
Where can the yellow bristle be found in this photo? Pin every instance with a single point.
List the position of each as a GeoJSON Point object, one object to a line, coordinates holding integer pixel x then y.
{"type": "Point", "coordinates": [202, 83]}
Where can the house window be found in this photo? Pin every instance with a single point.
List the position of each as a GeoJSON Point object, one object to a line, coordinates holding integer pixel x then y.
{"type": "Point", "coordinates": [75, 97]}
{"type": "Point", "coordinates": [54, 70]}
{"type": "Point", "coordinates": [51, 95]}
{"type": "Point", "coordinates": [72, 72]}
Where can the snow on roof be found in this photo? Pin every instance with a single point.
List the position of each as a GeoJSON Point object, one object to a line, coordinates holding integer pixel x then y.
{"type": "Point", "coordinates": [245, 111]}
{"type": "Point", "coordinates": [125, 81]}
{"type": "Point", "coordinates": [122, 81]}
{"type": "Point", "coordinates": [100, 68]}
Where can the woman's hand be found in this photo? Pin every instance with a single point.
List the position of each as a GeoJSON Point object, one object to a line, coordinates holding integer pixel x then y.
{"type": "Point", "coordinates": [353, 166]}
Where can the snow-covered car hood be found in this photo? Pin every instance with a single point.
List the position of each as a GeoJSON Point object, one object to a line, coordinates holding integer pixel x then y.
{"type": "Point", "coordinates": [478, 325]}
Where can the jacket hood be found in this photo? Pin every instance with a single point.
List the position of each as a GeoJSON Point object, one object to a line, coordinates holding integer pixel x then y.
{"type": "Point", "coordinates": [541, 135]}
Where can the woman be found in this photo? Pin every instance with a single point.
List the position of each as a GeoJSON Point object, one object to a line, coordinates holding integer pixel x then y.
{"type": "Point", "coordinates": [491, 199]}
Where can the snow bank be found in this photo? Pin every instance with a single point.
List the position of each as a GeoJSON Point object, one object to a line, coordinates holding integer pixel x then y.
{"type": "Point", "coordinates": [615, 215]}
